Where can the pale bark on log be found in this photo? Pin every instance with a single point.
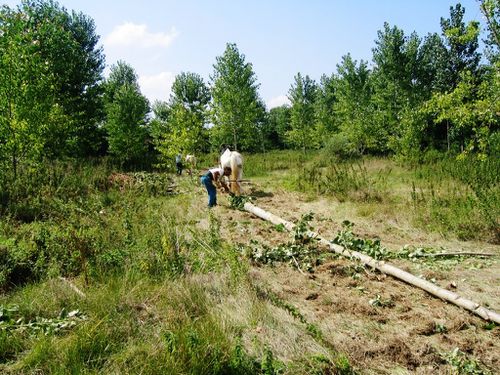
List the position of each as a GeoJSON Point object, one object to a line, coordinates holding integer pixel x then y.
{"type": "Point", "coordinates": [457, 254]}
{"type": "Point", "coordinates": [386, 268]}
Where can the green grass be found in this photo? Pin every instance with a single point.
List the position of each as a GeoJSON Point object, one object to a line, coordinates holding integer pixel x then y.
{"type": "Point", "coordinates": [158, 285]}
{"type": "Point", "coordinates": [456, 198]}
{"type": "Point", "coordinates": [165, 293]}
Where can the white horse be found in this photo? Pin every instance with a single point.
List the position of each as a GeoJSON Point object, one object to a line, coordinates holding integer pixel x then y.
{"type": "Point", "coordinates": [190, 163]}
{"type": "Point", "coordinates": [234, 160]}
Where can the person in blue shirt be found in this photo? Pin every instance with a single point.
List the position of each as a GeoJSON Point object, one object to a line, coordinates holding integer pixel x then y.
{"type": "Point", "coordinates": [212, 179]}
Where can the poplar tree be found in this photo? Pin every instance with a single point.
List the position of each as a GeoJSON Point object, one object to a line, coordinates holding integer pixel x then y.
{"type": "Point", "coordinates": [180, 124]}
{"type": "Point", "coordinates": [236, 110]}
{"type": "Point", "coordinates": [126, 114]}
{"type": "Point", "coordinates": [302, 96]}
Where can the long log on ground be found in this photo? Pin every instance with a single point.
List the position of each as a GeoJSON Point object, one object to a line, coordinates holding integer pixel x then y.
{"type": "Point", "coordinates": [384, 267]}
{"type": "Point", "coordinates": [457, 254]}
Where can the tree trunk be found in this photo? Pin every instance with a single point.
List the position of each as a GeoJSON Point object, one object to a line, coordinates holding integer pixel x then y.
{"type": "Point", "coordinates": [235, 140]}
{"type": "Point", "coordinates": [386, 268]}
{"type": "Point", "coordinates": [448, 135]}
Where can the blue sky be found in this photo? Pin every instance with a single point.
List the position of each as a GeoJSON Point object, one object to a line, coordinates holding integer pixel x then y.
{"type": "Point", "coordinates": [161, 38]}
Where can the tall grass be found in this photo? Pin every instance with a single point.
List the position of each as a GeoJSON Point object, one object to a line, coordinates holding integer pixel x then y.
{"type": "Point", "coordinates": [439, 193]}
{"type": "Point", "coordinates": [155, 282]}
{"type": "Point", "coordinates": [344, 181]}
{"type": "Point", "coordinates": [458, 196]}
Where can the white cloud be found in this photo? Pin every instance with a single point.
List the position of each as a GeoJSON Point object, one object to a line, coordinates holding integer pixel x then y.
{"type": "Point", "coordinates": [277, 101]}
{"type": "Point", "coordinates": [158, 86]}
{"type": "Point", "coordinates": [130, 34]}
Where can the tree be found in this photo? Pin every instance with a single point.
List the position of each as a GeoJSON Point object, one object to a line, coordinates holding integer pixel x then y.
{"type": "Point", "coordinates": [463, 120]}
{"type": "Point", "coordinates": [353, 108]}
{"type": "Point", "coordinates": [29, 113]}
{"type": "Point", "coordinates": [48, 104]}
{"type": "Point", "coordinates": [491, 11]}
{"type": "Point", "coordinates": [183, 127]}
{"type": "Point", "coordinates": [433, 60]}
{"type": "Point", "coordinates": [302, 96]}
{"type": "Point", "coordinates": [325, 105]}
{"type": "Point", "coordinates": [236, 109]}
{"type": "Point", "coordinates": [397, 83]}
{"type": "Point", "coordinates": [126, 115]}
{"type": "Point", "coordinates": [277, 126]}
{"type": "Point", "coordinates": [462, 43]}
{"type": "Point", "coordinates": [67, 43]}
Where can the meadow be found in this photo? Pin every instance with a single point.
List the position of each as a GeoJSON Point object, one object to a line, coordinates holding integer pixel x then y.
{"type": "Point", "coordinates": [128, 272]}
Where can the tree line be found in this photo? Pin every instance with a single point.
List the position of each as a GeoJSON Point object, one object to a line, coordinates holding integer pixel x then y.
{"type": "Point", "coordinates": [437, 92]}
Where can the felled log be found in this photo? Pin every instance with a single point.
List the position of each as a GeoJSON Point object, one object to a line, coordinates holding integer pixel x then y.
{"type": "Point", "coordinates": [384, 267]}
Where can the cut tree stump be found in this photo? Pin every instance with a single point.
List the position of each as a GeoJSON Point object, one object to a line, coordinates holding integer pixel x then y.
{"type": "Point", "coordinates": [384, 267]}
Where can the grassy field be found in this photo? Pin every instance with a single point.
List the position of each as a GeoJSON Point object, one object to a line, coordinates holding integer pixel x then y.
{"type": "Point", "coordinates": [106, 272]}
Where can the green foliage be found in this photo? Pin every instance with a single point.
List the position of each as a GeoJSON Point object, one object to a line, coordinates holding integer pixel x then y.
{"type": "Point", "coordinates": [11, 321]}
{"type": "Point", "coordinates": [491, 10]}
{"type": "Point", "coordinates": [458, 196]}
{"type": "Point", "coordinates": [49, 106]}
{"type": "Point", "coordinates": [349, 241]}
{"type": "Point", "coordinates": [126, 113]}
{"type": "Point", "coordinates": [325, 105]}
{"type": "Point", "coordinates": [236, 109]}
{"type": "Point", "coordinates": [277, 125]}
{"type": "Point", "coordinates": [237, 202]}
{"type": "Point", "coordinates": [270, 366]}
{"type": "Point", "coordinates": [339, 147]}
{"type": "Point", "coordinates": [304, 133]}
{"type": "Point", "coordinates": [463, 119]}
{"type": "Point", "coordinates": [353, 108]}
{"type": "Point", "coordinates": [25, 95]}
{"type": "Point", "coordinates": [343, 180]}
{"type": "Point", "coordinates": [300, 252]}
{"type": "Point", "coordinates": [464, 365]}
{"type": "Point", "coordinates": [462, 43]}
{"type": "Point", "coordinates": [395, 81]}
{"type": "Point", "coordinates": [179, 128]}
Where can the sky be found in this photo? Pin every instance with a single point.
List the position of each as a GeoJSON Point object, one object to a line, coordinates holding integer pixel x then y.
{"type": "Point", "coordinates": [162, 38]}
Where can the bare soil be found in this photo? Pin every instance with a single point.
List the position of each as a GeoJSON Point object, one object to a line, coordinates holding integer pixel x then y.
{"type": "Point", "coordinates": [412, 332]}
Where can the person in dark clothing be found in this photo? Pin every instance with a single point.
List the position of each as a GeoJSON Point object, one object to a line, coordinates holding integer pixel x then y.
{"type": "Point", "coordinates": [215, 176]}
{"type": "Point", "coordinates": [178, 163]}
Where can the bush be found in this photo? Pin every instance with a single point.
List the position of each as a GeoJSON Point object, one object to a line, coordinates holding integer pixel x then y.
{"type": "Point", "coordinates": [339, 146]}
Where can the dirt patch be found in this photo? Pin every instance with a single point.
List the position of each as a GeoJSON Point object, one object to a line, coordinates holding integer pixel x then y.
{"type": "Point", "coordinates": [380, 323]}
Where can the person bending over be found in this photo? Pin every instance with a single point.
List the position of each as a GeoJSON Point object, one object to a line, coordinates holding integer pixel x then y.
{"type": "Point", "coordinates": [212, 179]}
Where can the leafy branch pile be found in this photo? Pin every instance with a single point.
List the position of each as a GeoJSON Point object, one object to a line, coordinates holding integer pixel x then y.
{"type": "Point", "coordinates": [373, 248]}
{"type": "Point", "coordinates": [237, 202]}
{"type": "Point", "coordinates": [348, 240]}
{"type": "Point", "coordinates": [11, 320]}
{"type": "Point", "coordinates": [301, 251]}
{"type": "Point", "coordinates": [149, 183]}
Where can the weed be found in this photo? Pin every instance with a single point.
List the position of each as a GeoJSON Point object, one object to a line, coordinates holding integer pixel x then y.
{"type": "Point", "coordinates": [313, 330]}
{"type": "Point", "coordinates": [269, 365]}
{"type": "Point", "coordinates": [11, 321]}
{"type": "Point", "coordinates": [379, 302]}
{"type": "Point", "coordinates": [458, 196]}
{"type": "Point", "coordinates": [464, 365]}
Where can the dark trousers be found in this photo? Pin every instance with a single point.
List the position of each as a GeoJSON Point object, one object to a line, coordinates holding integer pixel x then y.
{"type": "Point", "coordinates": [179, 168]}
{"type": "Point", "coordinates": [211, 190]}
